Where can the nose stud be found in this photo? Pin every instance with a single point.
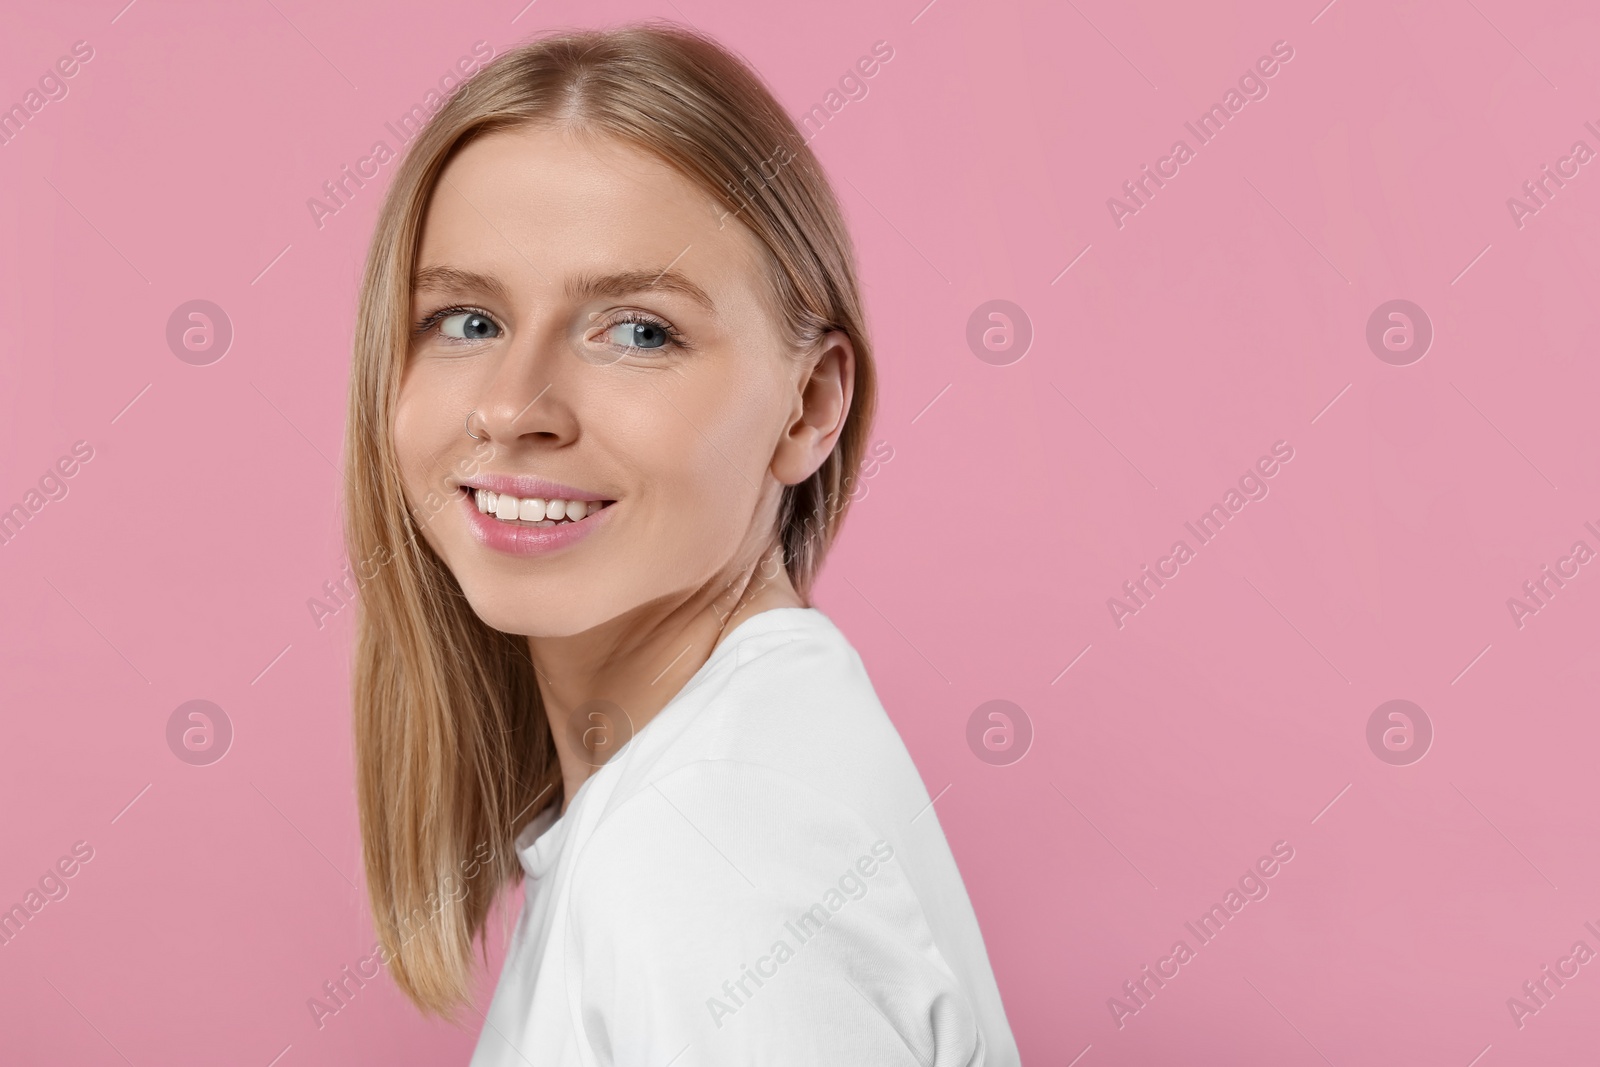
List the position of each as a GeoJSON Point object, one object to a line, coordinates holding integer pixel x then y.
{"type": "Point", "coordinates": [470, 434]}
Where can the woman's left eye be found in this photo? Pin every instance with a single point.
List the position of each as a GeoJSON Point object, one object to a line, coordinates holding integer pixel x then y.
{"type": "Point", "coordinates": [643, 335]}
{"type": "Point", "coordinates": [637, 331]}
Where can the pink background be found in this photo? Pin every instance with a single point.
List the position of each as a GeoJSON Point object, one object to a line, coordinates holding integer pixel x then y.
{"type": "Point", "coordinates": [1229, 313]}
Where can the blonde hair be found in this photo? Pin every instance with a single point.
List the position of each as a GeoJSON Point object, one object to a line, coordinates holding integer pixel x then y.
{"type": "Point", "coordinates": [453, 750]}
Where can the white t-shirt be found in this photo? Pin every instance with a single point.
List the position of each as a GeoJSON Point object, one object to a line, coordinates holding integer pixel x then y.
{"type": "Point", "coordinates": [756, 878]}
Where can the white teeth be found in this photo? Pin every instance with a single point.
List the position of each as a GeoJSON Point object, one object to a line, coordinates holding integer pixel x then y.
{"type": "Point", "coordinates": [532, 510]}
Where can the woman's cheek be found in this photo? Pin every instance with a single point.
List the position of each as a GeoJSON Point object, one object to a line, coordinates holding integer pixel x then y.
{"type": "Point", "coordinates": [418, 432]}
{"type": "Point", "coordinates": [413, 445]}
{"type": "Point", "coordinates": [406, 445]}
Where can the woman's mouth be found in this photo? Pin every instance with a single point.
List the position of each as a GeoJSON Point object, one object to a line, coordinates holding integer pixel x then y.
{"type": "Point", "coordinates": [533, 511]}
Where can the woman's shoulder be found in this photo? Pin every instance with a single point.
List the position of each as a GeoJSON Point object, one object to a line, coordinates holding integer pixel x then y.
{"type": "Point", "coordinates": [774, 768]}
{"type": "Point", "coordinates": [777, 826]}
{"type": "Point", "coordinates": [723, 872]}
{"type": "Point", "coordinates": [794, 695]}
{"type": "Point", "coordinates": [733, 821]}
{"type": "Point", "coordinates": [782, 766]}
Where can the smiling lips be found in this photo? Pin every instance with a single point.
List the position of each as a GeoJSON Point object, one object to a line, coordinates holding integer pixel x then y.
{"type": "Point", "coordinates": [533, 511]}
{"type": "Point", "coordinates": [531, 525]}
{"type": "Point", "coordinates": [523, 515]}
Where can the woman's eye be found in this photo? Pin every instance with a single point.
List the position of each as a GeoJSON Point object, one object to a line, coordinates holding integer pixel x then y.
{"type": "Point", "coordinates": [645, 335]}
{"type": "Point", "coordinates": [471, 327]}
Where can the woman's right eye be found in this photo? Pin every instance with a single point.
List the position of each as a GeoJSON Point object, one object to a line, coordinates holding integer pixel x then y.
{"type": "Point", "coordinates": [471, 326]}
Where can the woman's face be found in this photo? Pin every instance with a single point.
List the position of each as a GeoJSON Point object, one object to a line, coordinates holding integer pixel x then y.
{"type": "Point", "coordinates": [612, 334]}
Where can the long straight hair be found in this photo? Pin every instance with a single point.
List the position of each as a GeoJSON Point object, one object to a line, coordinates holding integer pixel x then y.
{"type": "Point", "coordinates": [453, 749]}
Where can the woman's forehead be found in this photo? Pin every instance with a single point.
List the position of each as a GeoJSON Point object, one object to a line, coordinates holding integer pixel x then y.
{"type": "Point", "coordinates": [548, 182]}
{"type": "Point", "coordinates": [567, 209]}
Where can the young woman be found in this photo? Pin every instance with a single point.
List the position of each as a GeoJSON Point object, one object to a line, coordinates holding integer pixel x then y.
{"type": "Point", "coordinates": [611, 381]}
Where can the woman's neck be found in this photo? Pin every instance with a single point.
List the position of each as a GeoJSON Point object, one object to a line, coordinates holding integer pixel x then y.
{"type": "Point", "coordinates": [602, 686]}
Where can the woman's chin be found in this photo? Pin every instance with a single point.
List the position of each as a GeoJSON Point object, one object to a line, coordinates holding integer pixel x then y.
{"type": "Point", "coordinates": [524, 617]}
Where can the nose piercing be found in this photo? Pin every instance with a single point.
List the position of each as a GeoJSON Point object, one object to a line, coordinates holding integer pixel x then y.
{"type": "Point", "coordinates": [470, 434]}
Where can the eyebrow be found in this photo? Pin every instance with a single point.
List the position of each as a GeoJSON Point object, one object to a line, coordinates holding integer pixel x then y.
{"type": "Point", "coordinates": [583, 287]}
{"type": "Point", "coordinates": [454, 280]}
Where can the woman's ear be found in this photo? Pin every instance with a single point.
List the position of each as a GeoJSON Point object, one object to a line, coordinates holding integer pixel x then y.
{"type": "Point", "coordinates": [821, 405]}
